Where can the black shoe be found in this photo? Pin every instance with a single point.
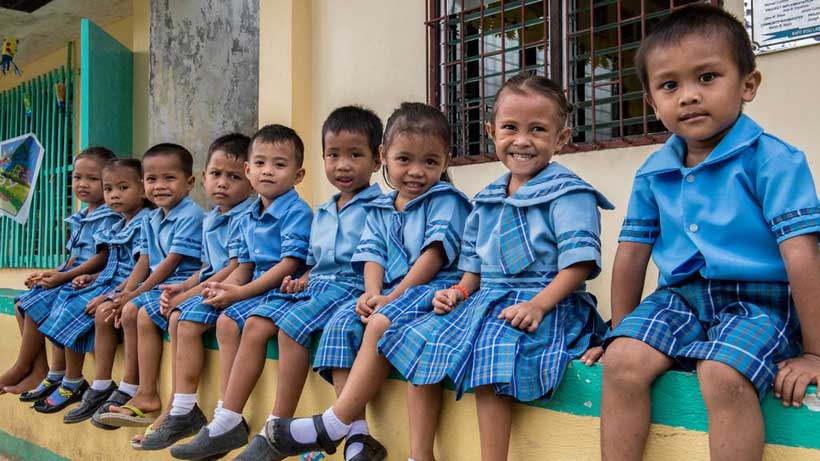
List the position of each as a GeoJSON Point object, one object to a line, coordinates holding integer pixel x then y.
{"type": "Point", "coordinates": [205, 446]}
{"type": "Point", "coordinates": [117, 398]}
{"type": "Point", "coordinates": [281, 441]}
{"type": "Point", "coordinates": [92, 400]}
{"type": "Point", "coordinates": [71, 395]}
{"type": "Point", "coordinates": [258, 450]}
{"type": "Point", "coordinates": [175, 428]}
{"type": "Point", "coordinates": [372, 450]}
{"type": "Point", "coordinates": [35, 395]}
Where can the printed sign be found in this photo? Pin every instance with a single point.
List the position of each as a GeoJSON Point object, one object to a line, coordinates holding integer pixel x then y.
{"type": "Point", "coordinates": [776, 25]}
{"type": "Point", "coordinates": [20, 160]}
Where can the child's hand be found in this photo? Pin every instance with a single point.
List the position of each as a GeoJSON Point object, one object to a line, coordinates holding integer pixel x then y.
{"type": "Point", "coordinates": [592, 355]}
{"type": "Point", "coordinates": [33, 278]}
{"type": "Point", "coordinates": [220, 295]}
{"type": "Point", "coordinates": [168, 293]}
{"type": "Point", "coordinates": [81, 281]}
{"type": "Point", "coordinates": [524, 316]}
{"type": "Point", "coordinates": [793, 377]}
{"type": "Point", "coordinates": [362, 308]}
{"type": "Point", "coordinates": [112, 311]}
{"type": "Point", "coordinates": [446, 300]}
{"type": "Point", "coordinates": [291, 285]}
{"type": "Point", "coordinates": [52, 279]}
{"type": "Point", "coordinates": [91, 307]}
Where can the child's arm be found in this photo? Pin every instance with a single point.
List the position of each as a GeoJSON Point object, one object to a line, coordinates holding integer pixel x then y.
{"type": "Point", "coordinates": [164, 270]}
{"type": "Point", "coordinates": [802, 260]}
{"type": "Point", "coordinates": [428, 264]}
{"type": "Point", "coordinates": [628, 277]}
{"type": "Point", "coordinates": [291, 285]}
{"type": "Point", "coordinates": [93, 264]}
{"type": "Point", "coordinates": [228, 293]}
{"type": "Point", "coordinates": [528, 315]}
{"type": "Point", "coordinates": [373, 283]}
{"type": "Point", "coordinates": [446, 300]}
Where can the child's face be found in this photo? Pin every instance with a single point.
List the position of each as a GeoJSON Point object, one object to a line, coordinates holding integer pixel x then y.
{"type": "Point", "coordinates": [86, 181]}
{"type": "Point", "coordinates": [272, 168]}
{"type": "Point", "coordinates": [165, 181]}
{"type": "Point", "coordinates": [349, 162]}
{"type": "Point", "coordinates": [414, 163]}
{"type": "Point", "coordinates": [696, 89]}
{"type": "Point", "coordinates": [526, 133]}
{"type": "Point", "coordinates": [123, 190]}
{"type": "Point", "coordinates": [224, 180]}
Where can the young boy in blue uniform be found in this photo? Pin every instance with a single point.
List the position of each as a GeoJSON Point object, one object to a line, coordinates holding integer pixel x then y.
{"type": "Point", "coordinates": [730, 216]}
{"type": "Point", "coordinates": [171, 253]}
{"type": "Point", "coordinates": [273, 244]}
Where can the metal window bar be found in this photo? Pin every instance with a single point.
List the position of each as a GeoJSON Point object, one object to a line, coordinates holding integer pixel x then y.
{"type": "Point", "coordinates": [41, 241]}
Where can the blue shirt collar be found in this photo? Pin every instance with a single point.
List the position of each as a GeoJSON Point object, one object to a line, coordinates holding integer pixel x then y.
{"type": "Point", "coordinates": [387, 200]}
{"type": "Point", "coordinates": [369, 193]}
{"type": "Point", "coordinates": [670, 157]}
{"type": "Point", "coordinates": [278, 207]}
{"type": "Point", "coordinates": [83, 216]}
{"type": "Point", "coordinates": [237, 209]}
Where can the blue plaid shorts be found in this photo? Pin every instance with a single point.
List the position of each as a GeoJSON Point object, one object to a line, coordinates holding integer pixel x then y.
{"type": "Point", "coordinates": [241, 311]}
{"type": "Point", "coordinates": [311, 310]}
{"type": "Point", "coordinates": [194, 310]}
{"type": "Point", "coordinates": [36, 303]}
{"type": "Point", "coordinates": [149, 301]}
{"type": "Point", "coordinates": [749, 326]}
{"type": "Point", "coordinates": [68, 325]}
{"type": "Point", "coordinates": [340, 342]}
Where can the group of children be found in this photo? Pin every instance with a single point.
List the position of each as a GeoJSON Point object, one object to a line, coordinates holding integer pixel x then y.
{"type": "Point", "coordinates": [488, 293]}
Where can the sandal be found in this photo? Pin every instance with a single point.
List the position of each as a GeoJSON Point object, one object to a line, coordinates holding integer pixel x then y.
{"type": "Point", "coordinates": [372, 450]}
{"type": "Point", "coordinates": [281, 441]}
{"type": "Point", "coordinates": [138, 419]}
{"type": "Point", "coordinates": [118, 398]}
{"type": "Point", "coordinates": [137, 444]}
{"type": "Point", "coordinates": [44, 390]}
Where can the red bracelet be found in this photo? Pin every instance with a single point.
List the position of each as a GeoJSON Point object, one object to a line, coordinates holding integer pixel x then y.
{"type": "Point", "coordinates": [462, 290]}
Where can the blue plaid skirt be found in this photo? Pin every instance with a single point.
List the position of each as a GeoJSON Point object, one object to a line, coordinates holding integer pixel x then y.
{"type": "Point", "coordinates": [472, 347]}
{"type": "Point", "coordinates": [37, 302]}
{"type": "Point", "coordinates": [68, 325]}
{"type": "Point", "coordinates": [749, 326]}
{"type": "Point", "coordinates": [149, 301]}
{"type": "Point", "coordinates": [343, 334]}
{"type": "Point", "coordinates": [310, 310]}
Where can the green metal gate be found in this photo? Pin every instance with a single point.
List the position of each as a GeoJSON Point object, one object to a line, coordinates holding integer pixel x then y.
{"type": "Point", "coordinates": [32, 108]}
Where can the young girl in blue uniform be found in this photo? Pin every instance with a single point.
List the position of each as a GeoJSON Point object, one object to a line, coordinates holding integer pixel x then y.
{"type": "Point", "coordinates": [49, 287]}
{"type": "Point", "coordinates": [412, 238]}
{"type": "Point", "coordinates": [520, 313]}
{"type": "Point", "coordinates": [71, 323]}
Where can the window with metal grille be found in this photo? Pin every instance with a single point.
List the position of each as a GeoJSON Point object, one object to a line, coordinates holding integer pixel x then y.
{"type": "Point", "coordinates": [473, 46]}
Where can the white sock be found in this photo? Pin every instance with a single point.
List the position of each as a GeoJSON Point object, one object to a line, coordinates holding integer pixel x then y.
{"type": "Point", "coordinates": [218, 408]}
{"type": "Point", "coordinates": [270, 418]}
{"type": "Point", "coordinates": [356, 427]}
{"type": "Point", "coordinates": [128, 388]}
{"type": "Point", "coordinates": [182, 404]}
{"type": "Point", "coordinates": [303, 431]}
{"type": "Point", "coordinates": [101, 384]}
{"type": "Point", "coordinates": [224, 421]}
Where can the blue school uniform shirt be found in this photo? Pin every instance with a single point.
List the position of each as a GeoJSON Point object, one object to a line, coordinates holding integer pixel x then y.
{"type": "Point", "coordinates": [335, 234]}
{"type": "Point", "coordinates": [562, 217]}
{"type": "Point", "coordinates": [280, 231]}
{"type": "Point", "coordinates": [124, 242]}
{"type": "Point", "coordinates": [438, 215]}
{"type": "Point", "coordinates": [724, 218]}
{"type": "Point", "coordinates": [84, 227]}
{"type": "Point", "coordinates": [180, 232]}
{"type": "Point", "coordinates": [218, 230]}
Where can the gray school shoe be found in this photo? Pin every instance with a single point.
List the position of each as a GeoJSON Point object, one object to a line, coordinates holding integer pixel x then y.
{"type": "Point", "coordinates": [205, 446]}
{"type": "Point", "coordinates": [175, 428]}
{"type": "Point", "coordinates": [91, 402]}
{"type": "Point", "coordinates": [258, 450]}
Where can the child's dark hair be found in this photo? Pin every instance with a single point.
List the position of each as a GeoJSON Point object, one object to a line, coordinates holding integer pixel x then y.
{"type": "Point", "coordinates": [99, 153]}
{"type": "Point", "coordinates": [131, 164]}
{"type": "Point", "coordinates": [417, 118]}
{"type": "Point", "coordinates": [279, 133]}
{"type": "Point", "coordinates": [234, 145]}
{"type": "Point", "coordinates": [698, 19]}
{"type": "Point", "coordinates": [182, 154]}
{"type": "Point", "coordinates": [530, 82]}
{"type": "Point", "coordinates": [355, 119]}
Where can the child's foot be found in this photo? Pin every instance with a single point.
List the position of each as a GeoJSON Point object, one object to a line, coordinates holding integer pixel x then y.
{"type": "Point", "coordinates": [29, 380]}
{"type": "Point", "coordinates": [44, 388]}
{"type": "Point", "coordinates": [136, 441]}
{"type": "Point", "coordinates": [205, 446]}
{"type": "Point", "coordinates": [290, 437]}
{"type": "Point", "coordinates": [117, 397]}
{"type": "Point", "coordinates": [13, 376]}
{"type": "Point", "coordinates": [174, 428]}
{"type": "Point", "coordinates": [146, 404]}
{"type": "Point", "coordinates": [70, 391]}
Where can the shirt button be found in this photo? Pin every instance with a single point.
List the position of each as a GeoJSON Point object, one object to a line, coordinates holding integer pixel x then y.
{"type": "Point", "coordinates": [690, 178]}
{"type": "Point", "coordinates": [693, 227]}
{"type": "Point", "coordinates": [257, 250]}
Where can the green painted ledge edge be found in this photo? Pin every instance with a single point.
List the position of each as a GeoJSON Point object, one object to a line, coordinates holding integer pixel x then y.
{"type": "Point", "coordinates": [21, 449]}
{"type": "Point", "coordinates": [676, 397]}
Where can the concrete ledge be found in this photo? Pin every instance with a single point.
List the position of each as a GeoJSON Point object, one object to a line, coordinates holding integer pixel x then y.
{"type": "Point", "coordinates": [678, 411]}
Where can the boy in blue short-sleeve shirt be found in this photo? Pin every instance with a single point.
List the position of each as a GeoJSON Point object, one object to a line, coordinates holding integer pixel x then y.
{"type": "Point", "coordinates": [730, 216]}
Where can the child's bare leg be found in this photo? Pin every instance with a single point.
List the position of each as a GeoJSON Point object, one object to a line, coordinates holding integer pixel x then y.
{"type": "Point", "coordinates": [630, 368]}
{"type": "Point", "coordinates": [74, 364]}
{"type": "Point", "coordinates": [131, 371]}
{"type": "Point", "coordinates": [57, 358]}
{"type": "Point", "coordinates": [30, 356]}
{"type": "Point", "coordinates": [173, 336]}
{"type": "Point", "coordinates": [149, 347]}
{"type": "Point", "coordinates": [494, 423]}
{"type": "Point", "coordinates": [105, 346]}
{"type": "Point", "coordinates": [294, 364]}
{"type": "Point", "coordinates": [228, 336]}
{"type": "Point", "coordinates": [249, 363]}
{"type": "Point", "coordinates": [190, 356]}
{"type": "Point", "coordinates": [369, 371]}
{"type": "Point", "coordinates": [423, 407]}
{"type": "Point", "coordinates": [736, 430]}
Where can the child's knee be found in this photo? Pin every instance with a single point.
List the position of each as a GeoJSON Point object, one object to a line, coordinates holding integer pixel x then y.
{"type": "Point", "coordinates": [144, 319]}
{"type": "Point", "coordinates": [173, 320]}
{"type": "Point", "coordinates": [188, 331]}
{"type": "Point", "coordinates": [631, 363]}
{"type": "Point", "coordinates": [721, 384]}
{"type": "Point", "coordinates": [129, 315]}
{"type": "Point", "coordinates": [259, 329]}
{"type": "Point", "coordinates": [377, 325]}
{"type": "Point", "coordinates": [226, 328]}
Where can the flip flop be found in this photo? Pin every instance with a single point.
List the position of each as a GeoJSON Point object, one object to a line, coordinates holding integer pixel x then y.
{"type": "Point", "coordinates": [138, 419]}
{"type": "Point", "coordinates": [137, 444]}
